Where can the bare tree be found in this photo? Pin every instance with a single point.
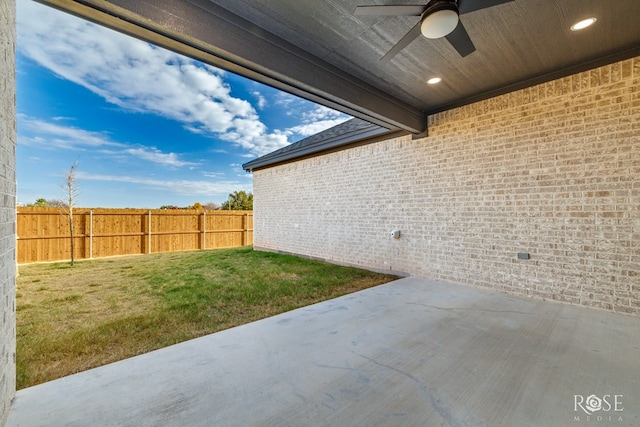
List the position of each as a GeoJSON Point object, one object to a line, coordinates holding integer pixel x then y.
{"type": "Point", "coordinates": [70, 194]}
{"type": "Point", "coordinates": [56, 203]}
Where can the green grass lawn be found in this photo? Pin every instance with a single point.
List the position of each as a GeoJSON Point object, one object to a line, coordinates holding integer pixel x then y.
{"type": "Point", "coordinates": [70, 319]}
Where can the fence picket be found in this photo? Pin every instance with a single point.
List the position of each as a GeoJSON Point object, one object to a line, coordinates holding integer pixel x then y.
{"type": "Point", "coordinates": [42, 235]}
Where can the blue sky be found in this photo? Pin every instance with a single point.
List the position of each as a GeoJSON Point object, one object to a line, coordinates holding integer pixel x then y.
{"type": "Point", "coordinates": [147, 127]}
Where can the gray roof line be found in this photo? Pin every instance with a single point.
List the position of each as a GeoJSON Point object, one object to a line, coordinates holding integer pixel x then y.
{"type": "Point", "coordinates": [346, 133]}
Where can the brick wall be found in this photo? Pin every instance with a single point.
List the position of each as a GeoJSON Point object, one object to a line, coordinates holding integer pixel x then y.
{"type": "Point", "coordinates": [552, 170]}
{"type": "Point", "coordinates": [7, 206]}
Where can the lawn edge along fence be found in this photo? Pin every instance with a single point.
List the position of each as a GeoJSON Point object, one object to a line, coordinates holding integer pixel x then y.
{"type": "Point", "coordinates": [43, 233]}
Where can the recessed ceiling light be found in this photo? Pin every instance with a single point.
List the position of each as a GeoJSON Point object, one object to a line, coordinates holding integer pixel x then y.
{"type": "Point", "coordinates": [434, 80]}
{"type": "Point", "coordinates": [581, 25]}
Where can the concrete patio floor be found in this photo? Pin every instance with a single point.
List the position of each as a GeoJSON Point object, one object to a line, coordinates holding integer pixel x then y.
{"type": "Point", "coordinates": [412, 352]}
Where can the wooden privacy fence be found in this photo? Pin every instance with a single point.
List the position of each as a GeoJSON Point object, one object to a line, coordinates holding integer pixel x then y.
{"type": "Point", "coordinates": [43, 233]}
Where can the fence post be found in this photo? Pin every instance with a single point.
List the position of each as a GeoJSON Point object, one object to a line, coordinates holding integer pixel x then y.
{"type": "Point", "coordinates": [149, 235]}
{"type": "Point", "coordinates": [204, 229]}
{"type": "Point", "coordinates": [91, 234]}
{"type": "Point", "coordinates": [246, 228]}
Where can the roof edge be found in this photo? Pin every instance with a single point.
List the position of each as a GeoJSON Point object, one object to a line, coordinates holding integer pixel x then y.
{"type": "Point", "coordinates": [301, 149]}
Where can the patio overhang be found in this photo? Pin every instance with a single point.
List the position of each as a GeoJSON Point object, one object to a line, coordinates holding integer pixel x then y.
{"type": "Point", "coordinates": [210, 33]}
{"type": "Point", "coordinates": [324, 52]}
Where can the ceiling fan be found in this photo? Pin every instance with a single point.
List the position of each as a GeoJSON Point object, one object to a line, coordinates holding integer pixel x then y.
{"type": "Point", "coordinates": [438, 18]}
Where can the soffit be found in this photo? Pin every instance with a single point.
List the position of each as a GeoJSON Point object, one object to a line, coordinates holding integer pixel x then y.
{"type": "Point", "coordinates": [516, 43]}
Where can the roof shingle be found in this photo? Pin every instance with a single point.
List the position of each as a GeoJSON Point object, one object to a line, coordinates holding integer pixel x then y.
{"type": "Point", "coordinates": [348, 132]}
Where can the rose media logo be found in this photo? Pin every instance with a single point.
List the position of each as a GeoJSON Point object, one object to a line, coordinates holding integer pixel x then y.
{"type": "Point", "coordinates": [605, 408]}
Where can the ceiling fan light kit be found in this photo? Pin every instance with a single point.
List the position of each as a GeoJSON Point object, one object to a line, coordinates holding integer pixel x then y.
{"type": "Point", "coordinates": [439, 20]}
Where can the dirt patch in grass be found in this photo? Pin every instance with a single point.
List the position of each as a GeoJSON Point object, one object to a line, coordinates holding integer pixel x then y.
{"type": "Point", "coordinates": [70, 319]}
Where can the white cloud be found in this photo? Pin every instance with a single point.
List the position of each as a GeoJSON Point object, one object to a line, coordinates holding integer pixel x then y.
{"type": "Point", "coordinates": [313, 128]}
{"type": "Point", "coordinates": [285, 99]}
{"type": "Point", "coordinates": [156, 156]}
{"type": "Point", "coordinates": [140, 77]}
{"type": "Point", "coordinates": [213, 174]}
{"type": "Point", "coordinates": [261, 100]}
{"type": "Point", "coordinates": [179, 187]}
{"type": "Point", "coordinates": [52, 135]}
{"type": "Point", "coordinates": [321, 113]}
{"type": "Point", "coordinates": [318, 119]}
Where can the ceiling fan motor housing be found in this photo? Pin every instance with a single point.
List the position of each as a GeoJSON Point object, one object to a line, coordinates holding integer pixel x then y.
{"type": "Point", "coordinates": [439, 18]}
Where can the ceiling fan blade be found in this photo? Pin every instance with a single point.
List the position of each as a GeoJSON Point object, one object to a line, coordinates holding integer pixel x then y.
{"type": "Point", "coordinates": [390, 10]}
{"type": "Point", "coordinates": [460, 40]}
{"type": "Point", "coordinates": [466, 6]}
{"type": "Point", "coordinates": [413, 34]}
